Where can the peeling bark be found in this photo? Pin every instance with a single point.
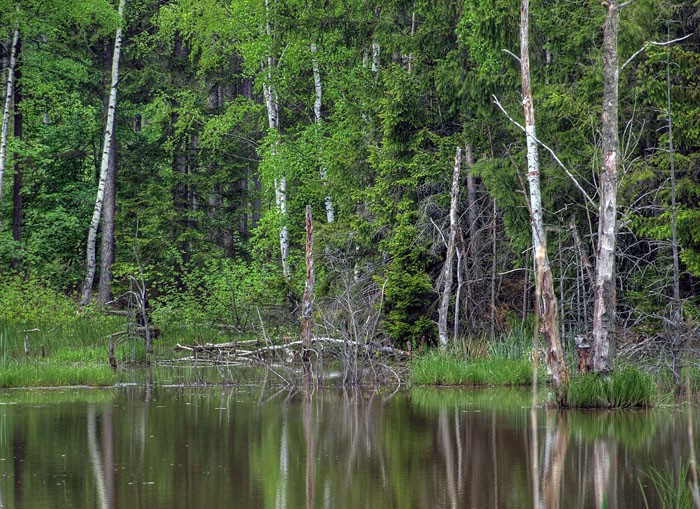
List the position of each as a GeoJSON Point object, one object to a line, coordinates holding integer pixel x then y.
{"type": "Point", "coordinates": [449, 257]}
{"type": "Point", "coordinates": [603, 334]}
{"type": "Point", "coordinates": [548, 301]}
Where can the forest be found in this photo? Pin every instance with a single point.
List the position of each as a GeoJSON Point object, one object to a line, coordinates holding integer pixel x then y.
{"type": "Point", "coordinates": [174, 146]}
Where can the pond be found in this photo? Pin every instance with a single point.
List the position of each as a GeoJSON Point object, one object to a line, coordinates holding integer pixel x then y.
{"type": "Point", "coordinates": [253, 446]}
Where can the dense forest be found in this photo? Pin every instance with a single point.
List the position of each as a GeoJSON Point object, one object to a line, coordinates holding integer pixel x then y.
{"type": "Point", "coordinates": [176, 144]}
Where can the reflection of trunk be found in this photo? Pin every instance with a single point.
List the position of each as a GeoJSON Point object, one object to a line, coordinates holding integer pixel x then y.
{"type": "Point", "coordinates": [109, 462]}
{"type": "Point", "coordinates": [604, 303]}
{"type": "Point", "coordinates": [309, 437]}
{"type": "Point", "coordinates": [448, 268]}
{"type": "Point", "coordinates": [444, 432]}
{"type": "Point", "coordinates": [556, 446]}
{"type": "Point", "coordinates": [550, 312]}
{"type": "Point", "coordinates": [283, 482]}
{"type": "Point", "coordinates": [602, 469]}
{"type": "Point", "coordinates": [95, 457]}
{"type": "Point", "coordinates": [91, 262]}
{"type": "Point", "coordinates": [9, 92]}
{"type": "Point", "coordinates": [17, 181]}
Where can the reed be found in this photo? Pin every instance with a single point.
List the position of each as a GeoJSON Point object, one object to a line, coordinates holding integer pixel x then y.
{"type": "Point", "coordinates": [627, 387]}
{"type": "Point", "coordinates": [444, 368]}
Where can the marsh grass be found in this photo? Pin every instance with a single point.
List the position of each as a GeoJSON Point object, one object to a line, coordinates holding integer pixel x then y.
{"type": "Point", "coordinates": [627, 387]}
{"type": "Point", "coordinates": [673, 491]}
{"type": "Point", "coordinates": [53, 374]}
{"type": "Point", "coordinates": [443, 368]}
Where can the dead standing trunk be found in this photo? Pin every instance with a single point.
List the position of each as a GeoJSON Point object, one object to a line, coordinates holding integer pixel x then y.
{"type": "Point", "coordinates": [603, 334]}
{"type": "Point", "coordinates": [306, 326]}
{"type": "Point", "coordinates": [448, 268]}
{"type": "Point", "coordinates": [91, 262]}
{"type": "Point", "coordinates": [548, 301]}
{"type": "Point", "coordinates": [104, 287]}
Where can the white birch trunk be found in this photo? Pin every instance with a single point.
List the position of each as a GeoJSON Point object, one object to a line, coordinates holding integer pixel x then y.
{"type": "Point", "coordinates": [104, 166]}
{"type": "Point", "coordinates": [7, 106]}
{"type": "Point", "coordinates": [550, 320]}
{"type": "Point", "coordinates": [604, 299]}
{"type": "Point", "coordinates": [280, 182]}
{"type": "Point", "coordinates": [318, 101]}
{"type": "Point", "coordinates": [448, 269]}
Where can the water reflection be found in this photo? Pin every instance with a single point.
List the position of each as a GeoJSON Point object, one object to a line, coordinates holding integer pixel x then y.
{"type": "Point", "coordinates": [250, 446]}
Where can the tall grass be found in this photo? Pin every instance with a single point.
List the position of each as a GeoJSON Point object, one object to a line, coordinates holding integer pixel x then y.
{"type": "Point", "coordinates": [52, 374]}
{"type": "Point", "coordinates": [673, 491]}
{"type": "Point", "coordinates": [625, 388]}
{"type": "Point", "coordinates": [442, 368]}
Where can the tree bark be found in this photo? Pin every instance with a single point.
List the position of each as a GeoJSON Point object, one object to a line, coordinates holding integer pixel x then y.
{"type": "Point", "coordinates": [548, 301]}
{"type": "Point", "coordinates": [306, 326]}
{"type": "Point", "coordinates": [91, 262]}
{"type": "Point", "coordinates": [18, 177]}
{"type": "Point", "coordinates": [603, 334]}
{"type": "Point", "coordinates": [449, 257]}
{"type": "Point", "coordinates": [9, 93]}
{"type": "Point", "coordinates": [280, 182]}
{"type": "Point", "coordinates": [318, 101]}
{"type": "Point", "coordinates": [104, 289]}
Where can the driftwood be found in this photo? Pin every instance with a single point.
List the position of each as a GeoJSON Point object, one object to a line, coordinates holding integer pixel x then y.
{"type": "Point", "coordinates": [242, 349]}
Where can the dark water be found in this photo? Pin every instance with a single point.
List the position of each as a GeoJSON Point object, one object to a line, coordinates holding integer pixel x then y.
{"type": "Point", "coordinates": [247, 447]}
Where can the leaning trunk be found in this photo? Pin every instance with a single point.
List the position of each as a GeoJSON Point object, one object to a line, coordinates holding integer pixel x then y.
{"type": "Point", "coordinates": [548, 300]}
{"type": "Point", "coordinates": [9, 92]}
{"type": "Point", "coordinates": [449, 257]}
{"type": "Point", "coordinates": [104, 166]}
{"type": "Point", "coordinates": [104, 288]}
{"type": "Point", "coordinates": [603, 335]}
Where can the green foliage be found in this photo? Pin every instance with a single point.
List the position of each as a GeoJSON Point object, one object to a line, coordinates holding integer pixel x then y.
{"type": "Point", "coordinates": [624, 388]}
{"type": "Point", "coordinates": [31, 303]}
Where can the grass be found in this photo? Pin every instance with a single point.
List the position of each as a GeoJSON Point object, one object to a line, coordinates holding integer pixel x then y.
{"type": "Point", "coordinates": [443, 368]}
{"type": "Point", "coordinates": [54, 374]}
{"type": "Point", "coordinates": [673, 491]}
{"type": "Point", "coordinates": [627, 387]}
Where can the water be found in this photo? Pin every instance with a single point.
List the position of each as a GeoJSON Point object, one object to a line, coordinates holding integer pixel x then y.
{"type": "Point", "coordinates": [254, 447]}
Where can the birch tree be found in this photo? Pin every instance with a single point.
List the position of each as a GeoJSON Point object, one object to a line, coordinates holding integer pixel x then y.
{"type": "Point", "coordinates": [91, 262]}
{"type": "Point", "coordinates": [7, 106]}
{"type": "Point", "coordinates": [550, 319]}
{"type": "Point", "coordinates": [272, 107]}
{"type": "Point", "coordinates": [449, 257]}
{"type": "Point", "coordinates": [318, 102]}
{"type": "Point", "coordinates": [603, 333]}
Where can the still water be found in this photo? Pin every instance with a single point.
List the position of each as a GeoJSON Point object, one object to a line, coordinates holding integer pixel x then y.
{"type": "Point", "coordinates": [255, 447]}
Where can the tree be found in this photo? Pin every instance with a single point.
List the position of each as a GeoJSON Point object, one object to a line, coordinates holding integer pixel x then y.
{"type": "Point", "coordinates": [603, 333]}
{"type": "Point", "coordinates": [91, 262]}
{"type": "Point", "coordinates": [550, 314]}
{"type": "Point", "coordinates": [7, 106]}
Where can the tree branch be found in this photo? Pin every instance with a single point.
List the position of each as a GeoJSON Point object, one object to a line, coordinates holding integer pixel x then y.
{"type": "Point", "coordinates": [652, 43]}
{"type": "Point", "coordinates": [552, 153]}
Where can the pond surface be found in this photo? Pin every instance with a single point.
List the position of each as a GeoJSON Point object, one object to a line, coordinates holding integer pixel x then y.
{"type": "Point", "coordinates": [252, 447]}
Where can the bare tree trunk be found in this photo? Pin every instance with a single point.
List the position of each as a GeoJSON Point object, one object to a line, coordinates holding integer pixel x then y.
{"type": "Point", "coordinates": [104, 288]}
{"type": "Point", "coordinates": [448, 267]}
{"type": "Point", "coordinates": [675, 310]}
{"type": "Point", "coordinates": [18, 177]}
{"type": "Point", "coordinates": [603, 334]}
{"type": "Point", "coordinates": [550, 312]}
{"type": "Point", "coordinates": [9, 92]}
{"type": "Point", "coordinates": [494, 266]}
{"type": "Point", "coordinates": [106, 148]}
{"type": "Point", "coordinates": [306, 326]}
{"type": "Point", "coordinates": [318, 101]}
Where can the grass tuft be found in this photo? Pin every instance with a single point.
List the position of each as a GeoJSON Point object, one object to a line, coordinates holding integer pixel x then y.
{"type": "Point", "coordinates": [442, 368]}
{"type": "Point", "coordinates": [50, 374]}
{"type": "Point", "coordinates": [624, 388]}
